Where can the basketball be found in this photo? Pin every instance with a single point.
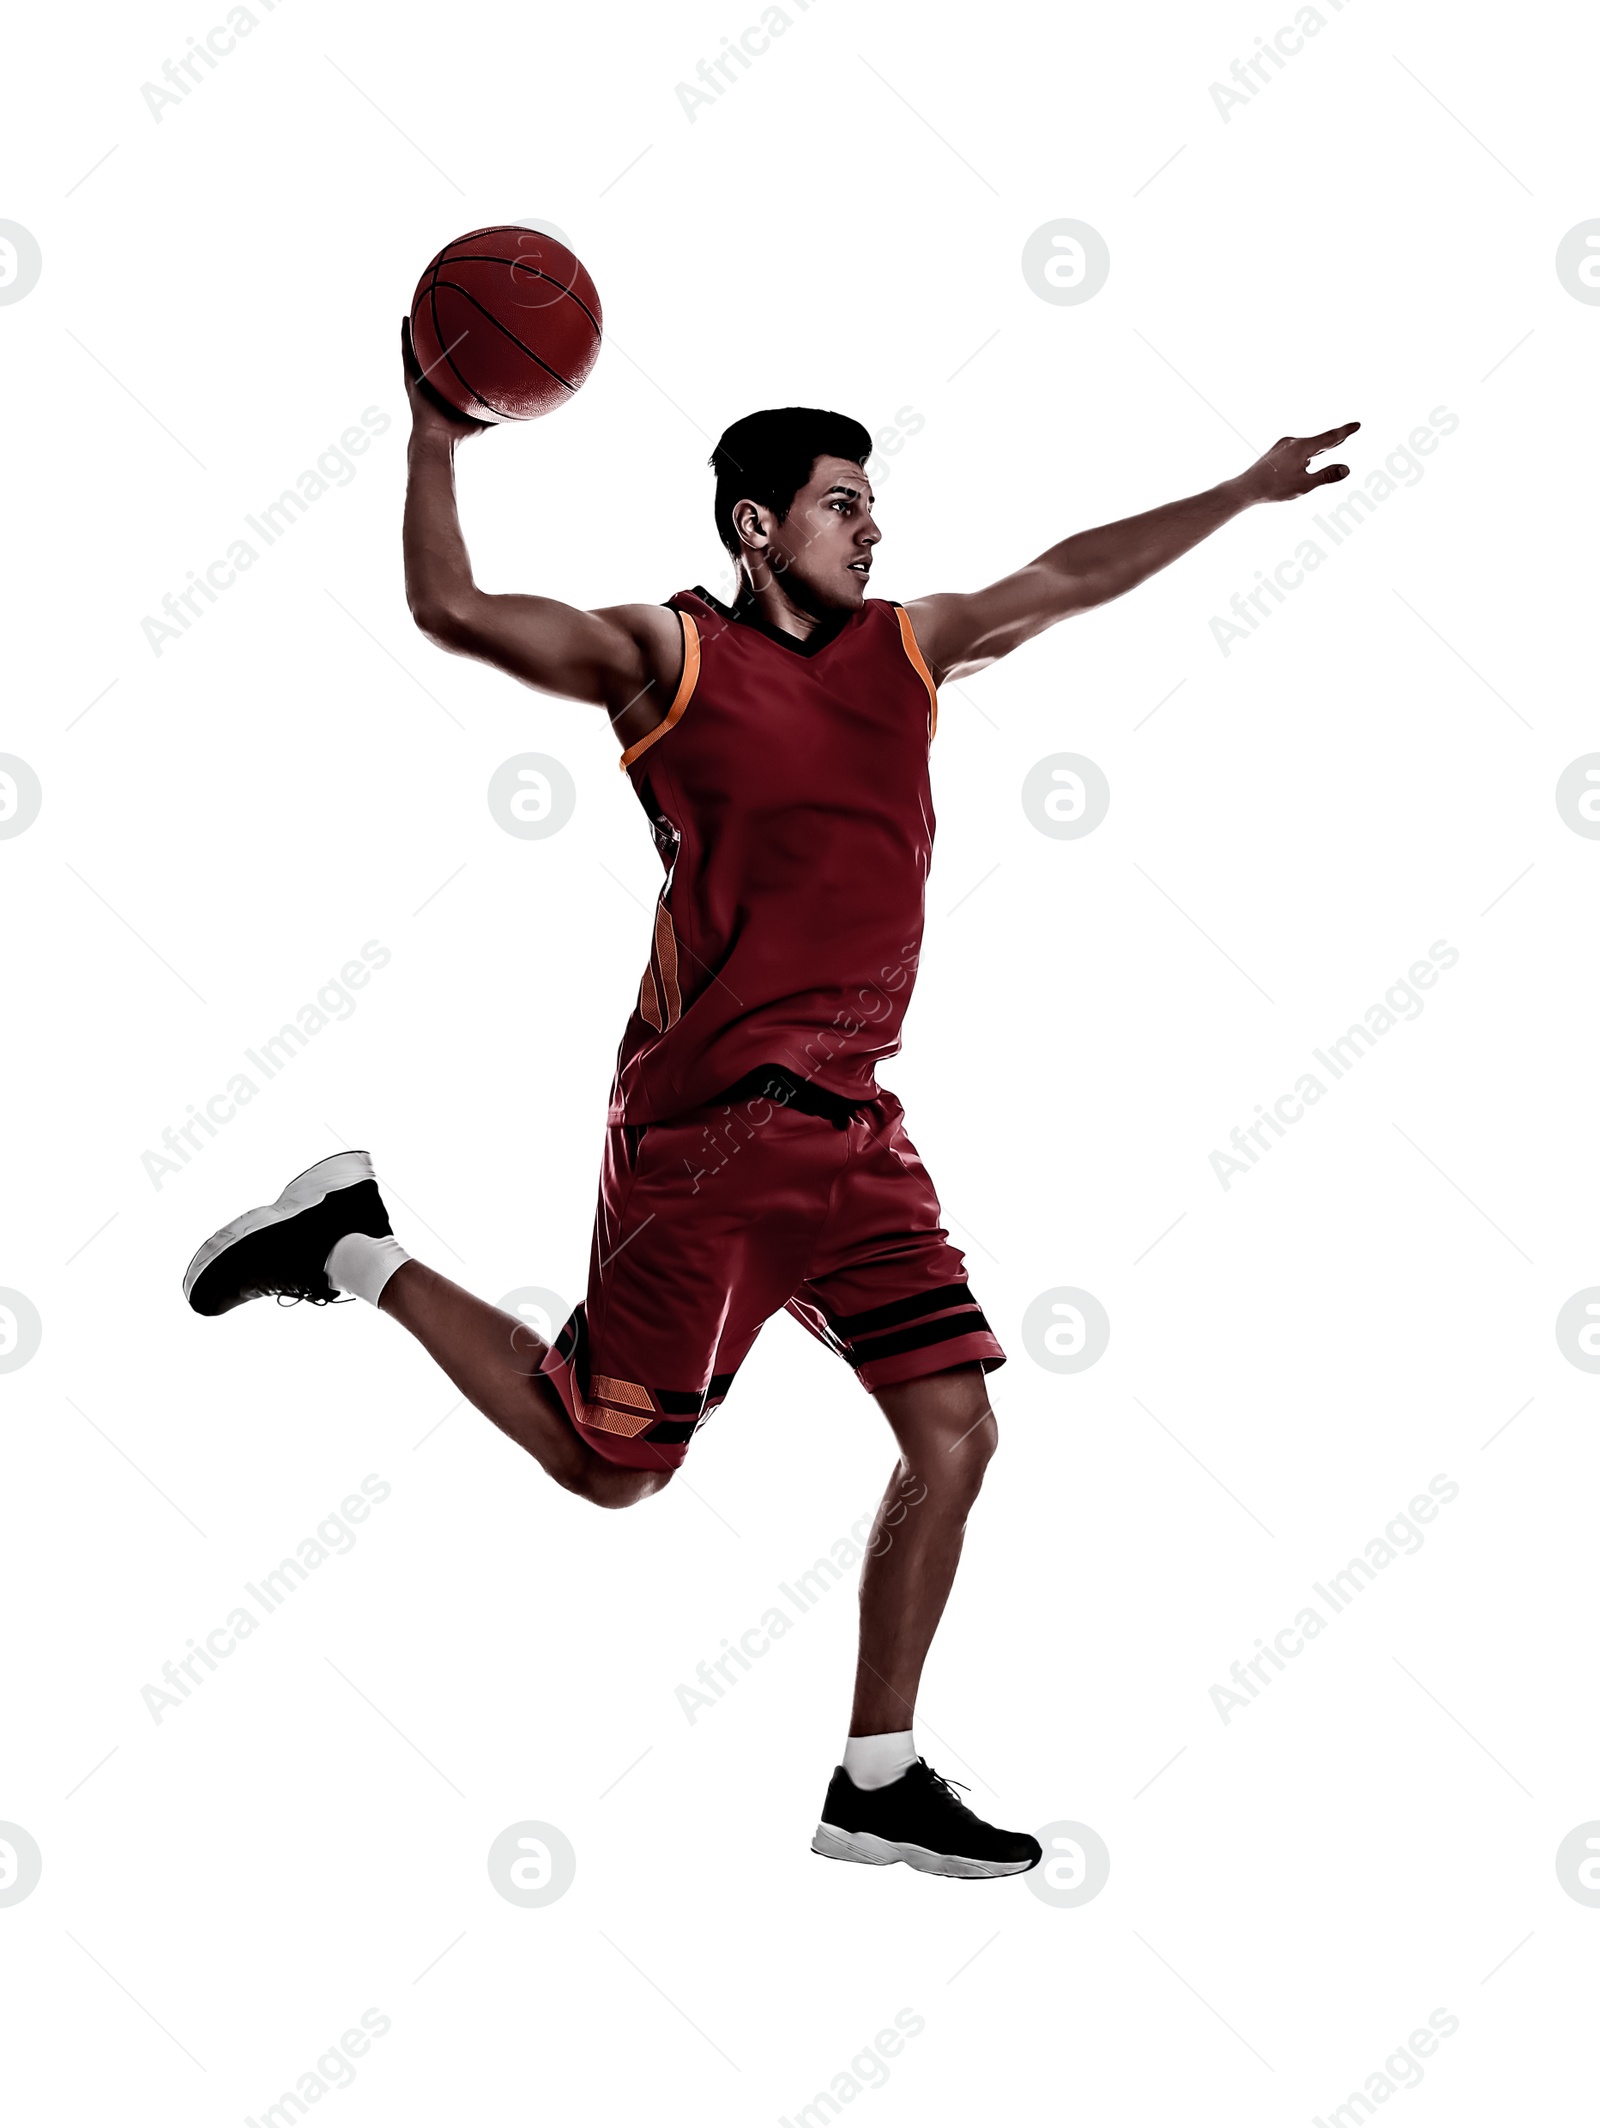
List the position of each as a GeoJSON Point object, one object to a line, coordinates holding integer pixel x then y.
{"type": "Point", "coordinates": [505, 324]}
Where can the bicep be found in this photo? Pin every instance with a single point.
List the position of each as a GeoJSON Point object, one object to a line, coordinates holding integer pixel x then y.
{"type": "Point", "coordinates": [556, 648]}
{"type": "Point", "coordinates": [963, 631]}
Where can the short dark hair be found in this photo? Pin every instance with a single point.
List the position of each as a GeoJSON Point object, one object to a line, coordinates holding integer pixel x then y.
{"type": "Point", "coordinates": [769, 456]}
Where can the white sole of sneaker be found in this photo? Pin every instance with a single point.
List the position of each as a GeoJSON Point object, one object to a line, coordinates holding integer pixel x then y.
{"type": "Point", "coordinates": [840, 1846]}
{"type": "Point", "coordinates": [337, 1172]}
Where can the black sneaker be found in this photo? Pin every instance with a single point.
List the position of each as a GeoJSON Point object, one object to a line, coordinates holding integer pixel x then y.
{"type": "Point", "coordinates": [281, 1248]}
{"type": "Point", "coordinates": [918, 1819]}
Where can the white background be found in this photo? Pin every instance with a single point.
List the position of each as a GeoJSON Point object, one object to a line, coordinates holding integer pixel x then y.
{"type": "Point", "coordinates": [1372, 1838]}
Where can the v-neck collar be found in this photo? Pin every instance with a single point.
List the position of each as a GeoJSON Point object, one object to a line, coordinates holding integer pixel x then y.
{"type": "Point", "coordinates": [821, 636]}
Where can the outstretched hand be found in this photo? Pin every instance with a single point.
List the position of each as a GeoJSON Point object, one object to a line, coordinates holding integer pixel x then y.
{"type": "Point", "coordinates": [1285, 470]}
{"type": "Point", "coordinates": [429, 408]}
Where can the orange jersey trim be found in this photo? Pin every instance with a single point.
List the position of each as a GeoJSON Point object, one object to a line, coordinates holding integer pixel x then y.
{"type": "Point", "coordinates": [680, 701]}
{"type": "Point", "coordinates": [909, 639]}
{"type": "Point", "coordinates": [667, 956]}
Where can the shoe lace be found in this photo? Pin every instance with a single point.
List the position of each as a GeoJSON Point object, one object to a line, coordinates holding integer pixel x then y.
{"type": "Point", "coordinates": [290, 1296]}
{"type": "Point", "coordinates": [948, 1787]}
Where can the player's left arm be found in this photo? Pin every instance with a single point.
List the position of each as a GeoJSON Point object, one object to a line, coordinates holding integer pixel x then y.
{"type": "Point", "coordinates": [961, 632]}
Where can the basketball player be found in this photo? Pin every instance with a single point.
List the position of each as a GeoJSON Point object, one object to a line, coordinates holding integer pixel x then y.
{"type": "Point", "coordinates": [779, 748]}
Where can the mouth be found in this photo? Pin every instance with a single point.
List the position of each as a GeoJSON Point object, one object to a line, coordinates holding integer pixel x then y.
{"type": "Point", "coordinates": [859, 568]}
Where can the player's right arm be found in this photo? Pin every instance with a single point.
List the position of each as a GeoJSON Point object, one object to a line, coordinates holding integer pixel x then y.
{"type": "Point", "coordinates": [624, 658]}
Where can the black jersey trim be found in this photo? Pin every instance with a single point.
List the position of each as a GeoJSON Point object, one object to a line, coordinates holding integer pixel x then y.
{"type": "Point", "coordinates": [746, 616]}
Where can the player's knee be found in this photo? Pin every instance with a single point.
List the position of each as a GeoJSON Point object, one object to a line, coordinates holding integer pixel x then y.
{"type": "Point", "coordinates": [612, 1485]}
{"type": "Point", "coordinates": [961, 1460]}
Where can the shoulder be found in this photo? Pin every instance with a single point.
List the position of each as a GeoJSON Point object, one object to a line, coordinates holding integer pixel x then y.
{"type": "Point", "coordinates": [901, 622]}
{"type": "Point", "coordinates": [656, 633]}
{"type": "Point", "coordinates": [893, 616]}
{"type": "Point", "coordinates": [934, 624]}
{"type": "Point", "coordinates": [651, 627]}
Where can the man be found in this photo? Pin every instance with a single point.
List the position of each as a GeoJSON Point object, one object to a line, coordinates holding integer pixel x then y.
{"type": "Point", "coordinates": [779, 747]}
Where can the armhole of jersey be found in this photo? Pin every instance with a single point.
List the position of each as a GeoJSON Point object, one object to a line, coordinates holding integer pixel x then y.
{"type": "Point", "coordinates": [909, 639]}
{"type": "Point", "coordinates": [680, 701]}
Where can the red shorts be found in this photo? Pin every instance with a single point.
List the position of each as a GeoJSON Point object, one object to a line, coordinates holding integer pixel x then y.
{"type": "Point", "coordinates": [710, 1223]}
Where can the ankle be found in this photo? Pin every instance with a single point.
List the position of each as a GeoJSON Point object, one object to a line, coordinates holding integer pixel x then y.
{"type": "Point", "coordinates": [363, 1264]}
{"type": "Point", "coordinates": [874, 1761]}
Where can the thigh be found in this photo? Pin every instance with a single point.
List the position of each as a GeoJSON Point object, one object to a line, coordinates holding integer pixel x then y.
{"type": "Point", "coordinates": [703, 1231]}
{"type": "Point", "coordinates": [886, 1288]}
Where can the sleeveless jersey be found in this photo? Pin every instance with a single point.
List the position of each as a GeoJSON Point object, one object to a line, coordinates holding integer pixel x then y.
{"type": "Point", "coordinates": [787, 791]}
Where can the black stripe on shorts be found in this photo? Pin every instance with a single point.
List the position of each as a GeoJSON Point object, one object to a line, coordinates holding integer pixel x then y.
{"type": "Point", "coordinates": [672, 1433]}
{"type": "Point", "coordinates": [962, 1324]}
{"type": "Point", "coordinates": [685, 1402]}
{"type": "Point", "coordinates": [903, 1311]}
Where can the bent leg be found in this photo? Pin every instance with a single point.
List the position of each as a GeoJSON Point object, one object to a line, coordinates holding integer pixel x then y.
{"type": "Point", "coordinates": [493, 1359]}
{"type": "Point", "coordinates": [947, 1433]}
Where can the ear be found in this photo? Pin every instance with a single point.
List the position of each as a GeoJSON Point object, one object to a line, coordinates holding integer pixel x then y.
{"type": "Point", "coordinates": [752, 523]}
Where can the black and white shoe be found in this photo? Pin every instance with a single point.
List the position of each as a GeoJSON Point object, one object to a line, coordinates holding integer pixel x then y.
{"type": "Point", "coordinates": [281, 1248]}
{"type": "Point", "coordinates": [921, 1820]}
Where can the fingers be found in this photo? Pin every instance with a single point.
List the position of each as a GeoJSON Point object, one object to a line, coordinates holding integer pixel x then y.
{"type": "Point", "coordinates": [1333, 472]}
{"type": "Point", "coordinates": [1314, 445]}
{"type": "Point", "coordinates": [422, 389]}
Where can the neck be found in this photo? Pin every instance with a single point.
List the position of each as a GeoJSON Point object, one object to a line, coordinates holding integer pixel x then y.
{"type": "Point", "coordinates": [771, 600]}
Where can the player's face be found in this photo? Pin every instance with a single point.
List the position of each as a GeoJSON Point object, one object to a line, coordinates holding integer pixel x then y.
{"type": "Point", "coordinates": [824, 546]}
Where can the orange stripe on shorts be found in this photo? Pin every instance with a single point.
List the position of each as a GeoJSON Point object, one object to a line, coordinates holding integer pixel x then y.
{"type": "Point", "coordinates": [628, 1423]}
{"type": "Point", "coordinates": [615, 1392]}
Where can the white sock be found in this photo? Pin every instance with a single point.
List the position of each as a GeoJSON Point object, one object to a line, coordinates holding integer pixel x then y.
{"type": "Point", "coordinates": [875, 1761]}
{"type": "Point", "coordinates": [363, 1264]}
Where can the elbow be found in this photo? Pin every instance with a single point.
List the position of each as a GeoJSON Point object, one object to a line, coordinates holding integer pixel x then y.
{"type": "Point", "coordinates": [441, 620]}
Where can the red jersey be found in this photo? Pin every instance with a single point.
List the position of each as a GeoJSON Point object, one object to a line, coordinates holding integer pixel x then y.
{"type": "Point", "coordinates": [787, 791]}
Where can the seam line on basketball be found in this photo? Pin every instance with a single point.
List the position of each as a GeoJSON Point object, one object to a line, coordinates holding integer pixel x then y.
{"type": "Point", "coordinates": [531, 353]}
{"type": "Point", "coordinates": [484, 258]}
{"type": "Point", "coordinates": [433, 308]}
